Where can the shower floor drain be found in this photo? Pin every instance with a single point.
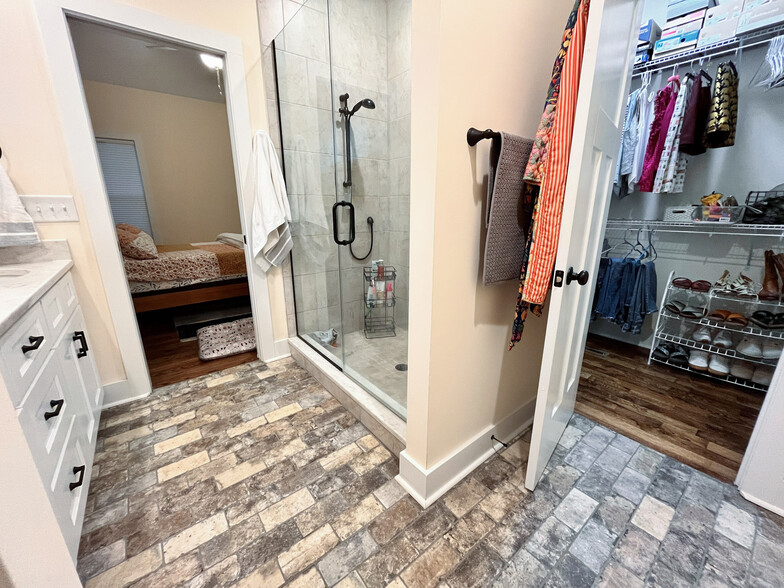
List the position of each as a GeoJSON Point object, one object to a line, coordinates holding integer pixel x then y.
{"type": "Point", "coordinates": [402, 367]}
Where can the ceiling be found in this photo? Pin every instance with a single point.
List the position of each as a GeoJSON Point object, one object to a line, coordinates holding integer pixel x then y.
{"type": "Point", "coordinates": [128, 59]}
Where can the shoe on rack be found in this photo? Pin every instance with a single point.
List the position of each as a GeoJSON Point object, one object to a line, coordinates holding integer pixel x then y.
{"type": "Point", "coordinates": [744, 287]}
{"type": "Point", "coordinates": [679, 355]}
{"type": "Point", "coordinates": [723, 339]}
{"type": "Point", "coordinates": [771, 350]}
{"type": "Point", "coordinates": [762, 375]}
{"type": "Point", "coordinates": [778, 261]}
{"type": "Point", "coordinates": [743, 370]}
{"type": "Point", "coordinates": [719, 365]}
{"type": "Point", "coordinates": [770, 283]}
{"type": "Point", "coordinates": [702, 335]}
{"type": "Point", "coordinates": [698, 360]}
{"type": "Point", "coordinates": [750, 348]}
{"type": "Point", "coordinates": [722, 285]}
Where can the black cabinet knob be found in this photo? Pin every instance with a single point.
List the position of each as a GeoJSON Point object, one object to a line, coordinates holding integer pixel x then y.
{"type": "Point", "coordinates": [581, 278]}
{"type": "Point", "coordinates": [57, 405]}
{"type": "Point", "coordinates": [74, 485]}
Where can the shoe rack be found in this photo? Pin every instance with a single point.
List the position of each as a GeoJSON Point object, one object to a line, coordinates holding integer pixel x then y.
{"type": "Point", "coordinates": [673, 328]}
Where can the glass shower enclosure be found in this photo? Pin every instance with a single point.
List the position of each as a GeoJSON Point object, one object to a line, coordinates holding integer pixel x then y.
{"type": "Point", "coordinates": [342, 100]}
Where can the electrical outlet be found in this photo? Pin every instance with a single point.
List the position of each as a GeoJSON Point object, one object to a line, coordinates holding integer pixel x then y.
{"type": "Point", "coordinates": [50, 209]}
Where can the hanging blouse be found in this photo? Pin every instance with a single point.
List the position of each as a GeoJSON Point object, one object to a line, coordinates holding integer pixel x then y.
{"type": "Point", "coordinates": [723, 117]}
{"type": "Point", "coordinates": [696, 116]}
{"type": "Point", "coordinates": [645, 103]}
{"type": "Point", "coordinates": [628, 146]}
{"type": "Point", "coordinates": [670, 157]}
{"type": "Point", "coordinates": [663, 109]}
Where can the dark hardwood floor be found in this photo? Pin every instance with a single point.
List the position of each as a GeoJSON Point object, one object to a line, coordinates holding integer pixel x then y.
{"type": "Point", "coordinates": [701, 422]}
{"type": "Point", "coordinates": [171, 360]}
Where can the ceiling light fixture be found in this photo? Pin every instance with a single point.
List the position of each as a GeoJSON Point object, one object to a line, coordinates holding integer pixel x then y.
{"type": "Point", "coordinates": [211, 61]}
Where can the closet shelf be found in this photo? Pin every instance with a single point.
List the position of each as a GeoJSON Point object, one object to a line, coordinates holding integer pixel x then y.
{"type": "Point", "coordinates": [744, 41]}
{"type": "Point", "coordinates": [713, 349]}
{"type": "Point", "coordinates": [723, 297]}
{"type": "Point", "coordinates": [730, 379]}
{"type": "Point", "coordinates": [751, 331]}
{"type": "Point", "coordinates": [705, 228]}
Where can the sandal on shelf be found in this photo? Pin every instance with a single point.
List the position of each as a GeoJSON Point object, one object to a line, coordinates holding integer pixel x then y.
{"type": "Point", "coordinates": [679, 356]}
{"type": "Point", "coordinates": [720, 315]}
{"type": "Point", "coordinates": [777, 322]}
{"type": "Point", "coordinates": [662, 352]}
{"type": "Point", "coordinates": [693, 312]}
{"type": "Point", "coordinates": [762, 318]}
{"type": "Point", "coordinates": [737, 319]}
{"type": "Point", "coordinates": [675, 307]}
{"type": "Point", "coordinates": [701, 286]}
{"type": "Point", "coordinates": [684, 283]}
{"type": "Point", "coordinates": [722, 285]}
{"type": "Point", "coordinates": [743, 287]}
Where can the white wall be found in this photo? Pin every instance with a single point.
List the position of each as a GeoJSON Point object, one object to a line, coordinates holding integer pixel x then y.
{"type": "Point", "coordinates": [748, 165]}
{"type": "Point", "coordinates": [462, 379]}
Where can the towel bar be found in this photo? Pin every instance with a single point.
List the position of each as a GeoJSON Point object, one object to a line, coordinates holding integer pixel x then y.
{"type": "Point", "coordinates": [473, 136]}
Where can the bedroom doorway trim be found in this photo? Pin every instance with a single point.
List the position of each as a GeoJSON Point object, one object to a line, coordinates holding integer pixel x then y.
{"type": "Point", "coordinates": [79, 141]}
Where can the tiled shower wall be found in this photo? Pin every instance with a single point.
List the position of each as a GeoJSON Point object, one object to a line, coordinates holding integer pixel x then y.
{"type": "Point", "coordinates": [370, 59]}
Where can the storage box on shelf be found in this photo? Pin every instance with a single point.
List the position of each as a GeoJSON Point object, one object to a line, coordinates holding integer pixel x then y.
{"type": "Point", "coordinates": [677, 329]}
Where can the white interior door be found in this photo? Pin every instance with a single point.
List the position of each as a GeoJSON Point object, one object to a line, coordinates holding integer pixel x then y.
{"type": "Point", "coordinates": [611, 39]}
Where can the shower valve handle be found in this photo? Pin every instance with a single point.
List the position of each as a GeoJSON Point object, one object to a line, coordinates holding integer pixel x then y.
{"type": "Point", "coordinates": [351, 223]}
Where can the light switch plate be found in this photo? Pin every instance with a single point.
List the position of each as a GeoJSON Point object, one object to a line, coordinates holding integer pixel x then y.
{"type": "Point", "coordinates": [50, 209]}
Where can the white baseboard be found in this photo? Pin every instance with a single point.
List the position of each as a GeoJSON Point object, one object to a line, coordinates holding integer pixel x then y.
{"type": "Point", "coordinates": [427, 486]}
{"type": "Point", "coordinates": [117, 393]}
{"type": "Point", "coordinates": [764, 504]}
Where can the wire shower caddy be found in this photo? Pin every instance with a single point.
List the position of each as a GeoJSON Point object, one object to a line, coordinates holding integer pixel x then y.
{"type": "Point", "coordinates": [379, 307]}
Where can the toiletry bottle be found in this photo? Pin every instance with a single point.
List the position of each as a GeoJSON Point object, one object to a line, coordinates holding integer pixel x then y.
{"type": "Point", "coordinates": [371, 294]}
{"type": "Point", "coordinates": [390, 294]}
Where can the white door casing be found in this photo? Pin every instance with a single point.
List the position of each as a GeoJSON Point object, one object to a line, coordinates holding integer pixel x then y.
{"type": "Point", "coordinates": [79, 140]}
{"type": "Point", "coordinates": [610, 43]}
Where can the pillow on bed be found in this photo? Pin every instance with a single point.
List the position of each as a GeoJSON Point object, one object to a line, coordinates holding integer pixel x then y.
{"type": "Point", "coordinates": [135, 243]}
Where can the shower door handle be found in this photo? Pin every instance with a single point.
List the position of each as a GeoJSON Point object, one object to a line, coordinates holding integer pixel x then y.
{"type": "Point", "coordinates": [351, 224]}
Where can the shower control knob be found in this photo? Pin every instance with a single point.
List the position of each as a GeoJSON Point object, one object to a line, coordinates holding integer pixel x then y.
{"type": "Point", "coordinates": [581, 278]}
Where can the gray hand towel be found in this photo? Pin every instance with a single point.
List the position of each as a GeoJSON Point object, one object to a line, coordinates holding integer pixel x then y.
{"type": "Point", "coordinates": [507, 217]}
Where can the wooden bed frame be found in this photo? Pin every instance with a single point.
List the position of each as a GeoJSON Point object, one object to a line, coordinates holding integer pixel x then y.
{"type": "Point", "coordinates": [205, 292]}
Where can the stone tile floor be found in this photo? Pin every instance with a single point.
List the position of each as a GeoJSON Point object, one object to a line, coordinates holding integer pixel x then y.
{"type": "Point", "coordinates": [256, 476]}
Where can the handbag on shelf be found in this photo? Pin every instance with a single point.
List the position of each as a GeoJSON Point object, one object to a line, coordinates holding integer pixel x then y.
{"type": "Point", "coordinates": [765, 207]}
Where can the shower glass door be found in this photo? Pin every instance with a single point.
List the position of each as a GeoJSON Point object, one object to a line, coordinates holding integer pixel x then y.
{"type": "Point", "coordinates": [343, 92]}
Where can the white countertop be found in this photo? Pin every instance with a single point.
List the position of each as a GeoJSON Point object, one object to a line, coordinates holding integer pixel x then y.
{"type": "Point", "coordinates": [19, 293]}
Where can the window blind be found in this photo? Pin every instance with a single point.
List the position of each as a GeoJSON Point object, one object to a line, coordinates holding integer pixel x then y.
{"type": "Point", "coordinates": [123, 179]}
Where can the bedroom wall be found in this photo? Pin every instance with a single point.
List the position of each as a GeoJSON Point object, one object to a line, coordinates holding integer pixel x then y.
{"type": "Point", "coordinates": [36, 159]}
{"type": "Point", "coordinates": [184, 151]}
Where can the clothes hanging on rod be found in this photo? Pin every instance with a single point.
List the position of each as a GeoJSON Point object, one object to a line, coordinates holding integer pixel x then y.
{"type": "Point", "coordinates": [626, 292]}
{"type": "Point", "coordinates": [723, 117]}
{"type": "Point", "coordinates": [627, 150]}
{"type": "Point", "coordinates": [645, 102]}
{"type": "Point", "coordinates": [663, 109]}
{"type": "Point", "coordinates": [672, 166]}
{"type": "Point", "coordinates": [695, 119]}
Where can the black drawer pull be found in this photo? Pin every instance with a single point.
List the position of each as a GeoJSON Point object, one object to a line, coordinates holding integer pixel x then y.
{"type": "Point", "coordinates": [57, 405]}
{"type": "Point", "coordinates": [35, 343]}
{"type": "Point", "coordinates": [79, 336]}
{"type": "Point", "coordinates": [74, 485]}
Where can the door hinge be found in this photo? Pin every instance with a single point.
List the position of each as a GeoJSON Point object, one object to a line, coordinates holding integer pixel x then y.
{"type": "Point", "coordinates": [558, 279]}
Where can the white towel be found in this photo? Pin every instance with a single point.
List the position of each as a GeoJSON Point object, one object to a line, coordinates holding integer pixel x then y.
{"type": "Point", "coordinates": [270, 234]}
{"type": "Point", "coordinates": [16, 226]}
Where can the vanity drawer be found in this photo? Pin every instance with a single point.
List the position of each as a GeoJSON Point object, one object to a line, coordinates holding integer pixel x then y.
{"type": "Point", "coordinates": [69, 486]}
{"type": "Point", "coordinates": [23, 351]}
{"type": "Point", "coordinates": [58, 303]}
{"type": "Point", "coordinates": [45, 417]}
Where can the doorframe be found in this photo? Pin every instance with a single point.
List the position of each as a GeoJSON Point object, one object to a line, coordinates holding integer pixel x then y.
{"type": "Point", "coordinates": [80, 144]}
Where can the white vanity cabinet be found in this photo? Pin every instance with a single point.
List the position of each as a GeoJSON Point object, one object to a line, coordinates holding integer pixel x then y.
{"type": "Point", "coordinates": [49, 372]}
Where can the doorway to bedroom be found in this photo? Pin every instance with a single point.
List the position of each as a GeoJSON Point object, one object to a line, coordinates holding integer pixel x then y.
{"type": "Point", "coordinates": [159, 117]}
